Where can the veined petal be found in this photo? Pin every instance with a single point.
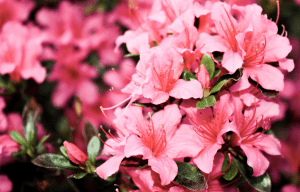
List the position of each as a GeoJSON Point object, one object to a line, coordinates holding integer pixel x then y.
{"type": "Point", "coordinates": [205, 159]}
{"type": "Point", "coordinates": [255, 159]}
{"type": "Point", "coordinates": [110, 166]}
{"type": "Point", "coordinates": [187, 89]}
{"type": "Point", "coordinates": [165, 167]}
{"type": "Point", "coordinates": [135, 146]}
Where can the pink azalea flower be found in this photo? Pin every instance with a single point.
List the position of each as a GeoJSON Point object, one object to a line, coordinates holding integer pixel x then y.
{"type": "Point", "coordinates": [250, 41]}
{"type": "Point", "coordinates": [154, 140]}
{"type": "Point", "coordinates": [290, 188]}
{"type": "Point", "coordinates": [167, 66]}
{"type": "Point", "coordinates": [250, 141]}
{"type": "Point", "coordinates": [75, 154]}
{"type": "Point", "coordinates": [73, 79]}
{"type": "Point", "coordinates": [21, 50]}
{"type": "Point", "coordinates": [13, 10]}
{"type": "Point", "coordinates": [7, 147]}
{"type": "Point", "coordinates": [3, 118]}
{"type": "Point", "coordinates": [209, 125]}
{"type": "Point", "coordinates": [6, 185]}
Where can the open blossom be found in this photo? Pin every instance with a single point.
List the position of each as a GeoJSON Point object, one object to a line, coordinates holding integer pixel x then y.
{"type": "Point", "coordinates": [73, 78]}
{"type": "Point", "coordinates": [249, 140]}
{"type": "Point", "coordinates": [21, 49]}
{"type": "Point", "coordinates": [250, 41]}
{"type": "Point", "coordinates": [209, 125]}
{"type": "Point", "coordinates": [167, 66]}
{"type": "Point", "coordinates": [13, 10]}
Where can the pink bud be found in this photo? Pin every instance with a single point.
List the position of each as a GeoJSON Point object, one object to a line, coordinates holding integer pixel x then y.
{"type": "Point", "coordinates": [75, 154]}
{"type": "Point", "coordinates": [203, 77]}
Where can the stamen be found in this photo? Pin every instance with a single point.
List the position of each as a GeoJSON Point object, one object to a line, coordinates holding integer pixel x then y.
{"type": "Point", "coordinates": [115, 106]}
{"type": "Point", "coordinates": [278, 10]}
{"type": "Point", "coordinates": [138, 84]}
{"type": "Point", "coordinates": [99, 136]}
{"type": "Point", "coordinates": [112, 124]}
{"type": "Point", "coordinates": [123, 187]}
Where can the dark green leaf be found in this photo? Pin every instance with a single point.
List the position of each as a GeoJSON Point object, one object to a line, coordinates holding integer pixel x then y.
{"type": "Point", "coordinates": [225, 79]}
{"type": "Point", "coordinates": [265, 92]}
{"type": "Point", "coordinates": [206, 102]}
{"type": "Point", "coordinates": [190, 176]}
{"type": "Point", "coordinates": [232, 171]}
{"type": "Point", "coordinates": [209, 64]}
{"type": "Point", "coordinates": [30, 130]}
{"type": "Point", "coordinates": [217, 72]}
{"type": "Point", "coordinates": [89, 132]}
{"type": "Point", "coordinates": [139, 104]}
{"type": "Point", "coordinates": [43, 140]}
{"type": "Point", "coordinates": [79, 175]}
{"type": "Point", "coordinates": [188, 76]}
{"type": "Point", "coordinates": [261, 183]}
{"type": "Point", "coordinates": [90, 169]}
{"type": "Point", "coordinates": [63, 150]}
{"type": "Point", "coordinates": [93, 149]}
{"type": "Point", "coordinates": [17, 137]}
{"type": "Point", "coordinates": [55, 161]}
{"type": "Point", "coordinates": [131, 55]}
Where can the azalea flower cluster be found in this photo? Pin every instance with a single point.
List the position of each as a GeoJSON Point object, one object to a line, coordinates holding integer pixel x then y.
{"type": "Point", "coordinates": [182, 101]}
{"type": "Point", "coordinates": [165, 121]}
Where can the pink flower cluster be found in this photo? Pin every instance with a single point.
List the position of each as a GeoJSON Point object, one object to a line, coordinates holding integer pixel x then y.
{"type": "Point", "coordinates": [171, 38]}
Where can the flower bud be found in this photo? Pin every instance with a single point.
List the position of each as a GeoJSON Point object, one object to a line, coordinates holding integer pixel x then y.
{"type": "Point", "coordinates": [75, 154]}
{"type": "Point", "coordinates": [203, 77]}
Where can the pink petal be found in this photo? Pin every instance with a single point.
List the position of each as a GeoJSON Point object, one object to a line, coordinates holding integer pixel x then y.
{"type": "Point", "coordinates": [135, 146]}
{"type": "Point", "coordinates": [185, 143]}
{"type": "Point", "coordinates": [287, 64]}
{"type": "Point", "coordinates": [169, 118]}
{"type": "Point", "coordinates": [255, 159]}
{"type": "Point", "coordinates": [157, 96]}
{"type": "Point", "coordinates": [268, 76]}
{"type": "Point", "coordinates": [87, 91]}
{"type": "Point", "coordinates": [205, 159]}
{"type": "Point", "coordinates": [208, 43]}
{"type": "Point", "coordinates": [269, 144]}
{"type": "Point", "coordinates": [7, 67]}
{"type": "Point", "coordinates": [38, 73]}
{"type": "Point", "coordinates": [110, 166]}
{"type": "Point", "coordinates": [187, 89]}
{"type": "Point", "coordinates": [242, 84]}
{"type": "Point", "coordinates": [165, 167]}
{"type": "Point", "coordinates": [62, 93]}
{"type": "Point", "coordinates": [6, 184]}
{"type": "Point", "coordinates": [277, 47]}
{"type": "Point", "coordinates": [232, 61]}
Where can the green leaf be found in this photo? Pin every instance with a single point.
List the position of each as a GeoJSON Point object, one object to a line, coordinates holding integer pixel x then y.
{"type": "Point", "coordinates": [265, 92]}
{"type": "Point", "coordinates": [131, 55]}
{"type": "Point", "coordinates": [225, 79]}
{"type": "Point", "coordinates": [206, 102]}
{"type": "Point", "coordinates": [30, 130]}
{"type": "Point", "coordinates": [261, 183]}
{"type": "Point", "coordinates": [209, 64]}
{"type": "Point", "coordinates": [139, 104]}
{"type": "Point", "coordinates": [217, 72]}
{"type": "Point", "coordinates": [63, 150]}
{"type": "Point", "coordinates": [17, 137]}
{"type": "Point", "coordinates": [89, 168]}
{"type": "Point", "coordinates": [190, 176]}
{"type": "Point", "coordinates": [79, 175]}
{"type": "Point", "coordinates": [42, 141]}
{"type": "Point", "coordinates": [55, 161]}
{"type": "Point", "coordinates": [232, 171]}
{"type": "Point", "coordinates": [187, 75]}
{"type": "Point", "coordinates": [93, 149]}
{"type": "Point", "coordinates": [89, 132]}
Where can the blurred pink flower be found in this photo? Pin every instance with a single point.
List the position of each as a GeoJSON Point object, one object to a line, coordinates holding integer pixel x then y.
{"type": "Point", "coordinates": [13, 10]}
{"type": "Point", "coordinates": [21, 50]}
{"type": "Point", "coordinates": [7, 147]}
{"type": "Point", "coordinates": [73, 78]}
{"type": "Point", "coordinates": [5, 184]}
